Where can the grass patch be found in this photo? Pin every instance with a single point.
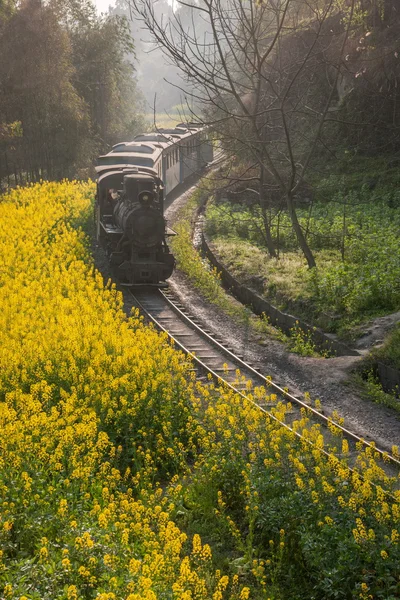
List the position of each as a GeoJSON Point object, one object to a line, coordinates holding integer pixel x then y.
{"type": "Point", "coordinates": [368, 379]}
{"type": "Point", "coordinates": [370, 388]}
{"type": "Point", "coordinates": [280, 280]}
{"type": "Point", "coordinates": [389, 353]}
{"type": "Point", "coordinates": [285, 282]}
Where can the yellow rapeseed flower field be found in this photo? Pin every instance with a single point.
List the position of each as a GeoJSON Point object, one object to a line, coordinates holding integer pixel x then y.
{"type": "Point", "coordinates": [92, 405]}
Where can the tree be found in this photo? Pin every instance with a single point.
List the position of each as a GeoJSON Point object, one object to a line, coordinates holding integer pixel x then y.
{"type": "Point", "coordinates": [104, 76]}
{"type": "Point", "coordinates": [369, 115]}
{"type": "Point", "coordinates": [67, 90]}
{"type": "Point", "coordinates": [266, 75]}
{"type": "Point", "coordinates": [37, 92]}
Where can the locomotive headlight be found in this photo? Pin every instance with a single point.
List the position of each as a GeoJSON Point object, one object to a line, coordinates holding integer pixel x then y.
{"type": "Point", "coordinates": [145, 197]}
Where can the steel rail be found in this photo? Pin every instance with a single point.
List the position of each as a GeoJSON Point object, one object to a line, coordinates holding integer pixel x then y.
{"type": "Point", "coordinates": [327, 421]}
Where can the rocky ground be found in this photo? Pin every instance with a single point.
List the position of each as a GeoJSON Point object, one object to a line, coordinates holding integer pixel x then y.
{"type": "Point", "coordinates": [325, 379]}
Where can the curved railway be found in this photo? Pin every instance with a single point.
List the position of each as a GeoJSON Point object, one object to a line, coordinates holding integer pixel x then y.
{"type": "Point", "coordinates": [214, 360]}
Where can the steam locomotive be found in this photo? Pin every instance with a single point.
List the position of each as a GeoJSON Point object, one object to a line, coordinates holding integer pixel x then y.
{"type": "Point", "coordinates": [132, 181]}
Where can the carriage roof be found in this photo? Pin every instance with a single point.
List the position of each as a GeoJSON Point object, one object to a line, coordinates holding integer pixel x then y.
{"type": "Point", "coordinates": [139, 159]}
{"type": "Point", "coordinates": [114, 178]}
{"type": "Point", "coordinates": [126, 166]}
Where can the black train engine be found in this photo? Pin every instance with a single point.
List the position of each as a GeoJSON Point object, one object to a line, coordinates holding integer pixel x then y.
{"type": "Point", "coordinates": [131, 225]}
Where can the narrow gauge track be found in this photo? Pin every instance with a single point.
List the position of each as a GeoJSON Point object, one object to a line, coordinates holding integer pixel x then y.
{"type": "Point", "coordinates": [210, 356]}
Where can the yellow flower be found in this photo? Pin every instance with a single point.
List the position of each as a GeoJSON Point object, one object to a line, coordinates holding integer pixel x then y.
{"type": "Point", "coordinates": [7, 589]}
{"type": "Point", "coordinates": [134, 566]}
{"type": "Point", "coordinates": [83, 571]}
{"type": "Point", "coordinates": [63, 507]}
{"type": "Point", "coordinates": [72, 592]}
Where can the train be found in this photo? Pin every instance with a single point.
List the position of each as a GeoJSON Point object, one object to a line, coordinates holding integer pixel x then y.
{"type": "Point", "coordinates": [133, 180]}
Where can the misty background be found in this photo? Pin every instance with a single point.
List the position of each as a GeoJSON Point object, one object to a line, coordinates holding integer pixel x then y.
{"type": "Point", "coordinates": [157, 80]}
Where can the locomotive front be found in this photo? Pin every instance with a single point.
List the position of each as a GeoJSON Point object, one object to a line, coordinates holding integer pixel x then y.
{"type": "Point", "coordinates": [137, 213]}
{"type": "Point", "coordinates": [133, 226]}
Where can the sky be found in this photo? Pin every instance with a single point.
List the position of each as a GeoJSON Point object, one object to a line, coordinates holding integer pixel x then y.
{"type": "Point", "coordinates": [102, 5]}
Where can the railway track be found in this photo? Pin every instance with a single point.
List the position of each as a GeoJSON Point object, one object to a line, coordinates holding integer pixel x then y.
{"type": "Point", "coordinates": [212, 359]}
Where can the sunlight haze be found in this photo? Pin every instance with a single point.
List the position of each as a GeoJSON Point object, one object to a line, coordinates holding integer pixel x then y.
{"type": "Point", "coordinates": [102, 5]}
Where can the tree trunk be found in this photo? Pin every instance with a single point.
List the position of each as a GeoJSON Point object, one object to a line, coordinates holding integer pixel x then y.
{"type": "Point", "coordinates": [267, 229]}
{"type": "Point", "coordinates": [299, 232]}
{"type": "Point", "coordinates": [267, 233]}
{"type": "Point", "coordinates": [343, 244]}
{"type": "Point", "coordinates": [278, 234]}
